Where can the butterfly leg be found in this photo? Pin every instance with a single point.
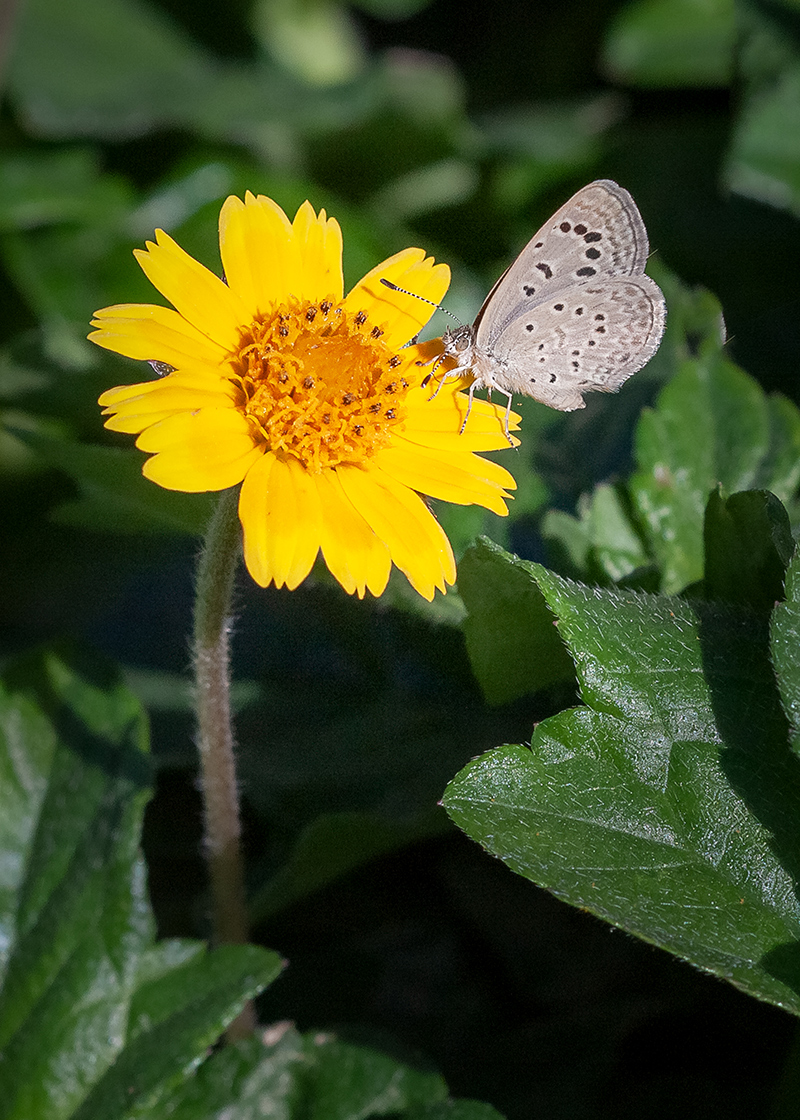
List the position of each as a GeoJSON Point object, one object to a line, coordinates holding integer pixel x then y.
{"type": "Point", "coordinates": [445, 377]}
{"type": "Point", "coordinates": [436, 363]}
{"type": "Point", "coordinates": [508, 415]}
{"type": "Point", "coordinates": [472, 389]}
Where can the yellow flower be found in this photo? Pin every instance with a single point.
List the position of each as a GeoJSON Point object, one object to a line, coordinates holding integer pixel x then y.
{"type": "Point", "coordinates": [310, 399]}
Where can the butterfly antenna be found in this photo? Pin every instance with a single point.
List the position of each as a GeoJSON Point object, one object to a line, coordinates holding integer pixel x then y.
{"type": "Point", "coordinates": [406, 292]}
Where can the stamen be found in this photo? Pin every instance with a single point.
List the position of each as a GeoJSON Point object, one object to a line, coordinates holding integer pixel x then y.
{"type": "Point", "coordinates": [315, 387]}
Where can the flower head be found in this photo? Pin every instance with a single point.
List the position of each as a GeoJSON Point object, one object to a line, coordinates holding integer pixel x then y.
{"type": "Point", "coordinates": [310, 399]}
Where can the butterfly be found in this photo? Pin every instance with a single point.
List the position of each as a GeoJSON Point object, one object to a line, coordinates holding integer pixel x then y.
{"type": "Point", "coordinates": [574, 312]}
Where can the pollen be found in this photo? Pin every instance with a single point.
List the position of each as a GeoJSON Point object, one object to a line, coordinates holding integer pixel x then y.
{"type": "Point", "coordinates": [316, 382]}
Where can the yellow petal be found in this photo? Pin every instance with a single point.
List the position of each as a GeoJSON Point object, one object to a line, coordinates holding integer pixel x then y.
{"type": "Point", "coordinates": [319, 240]}
{"type": "Point", "coordinates": [463, 479]}
{"type": "Point", "coordinates": [279, 509]}
{"type": "Point", "coordinates": [117, 397]}
{"type": "Point", "coordinates": [140, 411]}
{"type": "Point", "coordinates": [415, 540]}
{"type": "Point", "coordinates": [144, 330]}
{"type": "Point", "coordinates": [196, 293]}
{"type": "Point", "coordinates": [438, 422]}
{"type": "Point", "coordinates": [181, 398]}
{"type": "Point", "coordinates": [353, 553]}
{"type": "Point", "coordinates": [401, 316]}
{"type": "Point", "coordinates": [253, 516]}
{"type": "Point", "coordinates": [259, 253]}
{"type": "Point", "coordinates": [210, 449]}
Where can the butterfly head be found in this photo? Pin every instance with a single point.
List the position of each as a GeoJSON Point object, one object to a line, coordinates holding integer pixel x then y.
{"type": "Point", "coordinates": [458, 343]}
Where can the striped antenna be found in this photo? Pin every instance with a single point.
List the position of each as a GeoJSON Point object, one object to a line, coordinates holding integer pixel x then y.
{"type": "Point", "coordinates": [406, 292]}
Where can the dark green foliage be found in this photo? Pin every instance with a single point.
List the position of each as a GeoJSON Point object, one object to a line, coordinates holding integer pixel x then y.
{"type": "Point", "coordinates": [630, 631]}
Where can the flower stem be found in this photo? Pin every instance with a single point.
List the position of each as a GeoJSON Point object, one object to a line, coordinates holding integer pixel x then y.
{"type": "Point", "coordinates": [215, 578]}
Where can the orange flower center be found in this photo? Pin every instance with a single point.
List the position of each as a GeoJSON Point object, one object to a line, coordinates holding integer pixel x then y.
{"type": "Point", "coordinates": [317, 383]}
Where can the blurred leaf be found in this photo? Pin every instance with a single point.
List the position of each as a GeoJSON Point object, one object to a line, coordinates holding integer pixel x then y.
{"type": "Point", "coordinates": [445, 183]}
{"type": "Point", "coordinates": [115, 68]}
{"type": "Point", "coordinates": [569, 539]}
{"type": "Point", "coordinates": [602, 537]}
{"type": "Point", "coordinates": [695, 323]}
{"type": "Point", "coordinates": [354, 1082]}
{"type": "Point", "coordinates": [314, 1077]}
{"type": "Point", "coordinates": [349, 752]}
{"type": "Point", "coordinates": [748, 543]}
{"type": "Point", "coordinates": [712, 426]}
{"type": "Point", "coordinates": [426, 88]}
{"type": "Point", "coordinates": [16, 454]}
{"type": "Point", "coordinates": [454, 1110]}
{"type": "Point", "coordinates": [42, 188]}
{"type": "Point", "coordinates": [95, 1021]}
{"type": "Point", "coordinates": [116, 497]}
{"type": "Point", "coordinates": [764, 156]}
{"type": "Point", "coordinates": [785, 636]}
{"type": "Point", "coordinates": [393, 9]}
{"type": "Point", "coordinates": [64, 230]}
{"type": "Point", "coordinates": [129, 72]}
{"type": "Point", "coordinates": [170, 692]}
{"type": "Point", "coordinates": [44, 263]}
{"type": "Point", "coordinates": [314, 38]}
{"type": "Point", "coordinates": [333, 845]}
{"type": "Point", "coordinates": [244, 1081]}
{"type": "Point", "coordinates": [559, 136]}
{"type": "Point", "coordinates": [511, 638]}
{"type": "Point", "coordinates": [672, 793]}
{"type": "Point", "coordinates": [672, 43]}
{"type": "Point", "coordinates": [543, 145]}
{"type": "Point", "coordinates": [19, 378]}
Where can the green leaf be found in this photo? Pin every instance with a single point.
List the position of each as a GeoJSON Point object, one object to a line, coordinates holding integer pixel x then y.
{"type": "Point", "coordinates": [126, 71]}
{"type": "Point", "coordinates": [318, 41]}
{"type": "Point", "coordinates": [762, 159]}
{"type": "Point", "coordinates": [669, 804]}
{"type": "Point", "coordinates": [334, 844]}
{"type": "Point", "coordinates": [748, 543]}
{"type": "Point", "coordinates": [602, 539]}
{"type": "Point", "coordinates": [511, 640]}
{"type": "Point", "coordinates": [712, 426]}
{"type": "Point", "coordinates": [116, 497]}
{"type": "Point", "coordinates": [75, 917]}
{"type": "Point", "coordinates": [785, 637]}
{"type": "Point", "coordinates": [172, 1022]}
{"type": "Point", "coordinates": [351, 1082]}
{"type": "Point", "coordinates": [454, 1110]}
{"type": "Point", "coordinates": [314, 1077]}
{"type": "Point", "coordinates": [95, 1021]}
{"type": "Point", "coordinates": [244, 1080]}
{"type": "Point", "coordinates": [662, 44]}
{"type": "Point", "coordinates": [45, 188]}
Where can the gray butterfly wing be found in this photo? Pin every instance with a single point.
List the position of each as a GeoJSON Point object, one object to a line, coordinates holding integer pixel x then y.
{"type": "Point", "coordinates": [598, 232]}
{"type": "Point", "coordinates": [588, 337]}
{"type": "Point", "coordinates": [538, 330]}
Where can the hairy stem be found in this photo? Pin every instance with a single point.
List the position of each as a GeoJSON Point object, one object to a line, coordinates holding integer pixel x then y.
{"type": "Point", "coordinates": [215, 579]}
